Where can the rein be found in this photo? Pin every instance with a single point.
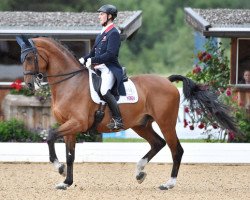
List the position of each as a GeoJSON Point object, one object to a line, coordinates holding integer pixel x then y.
{"type": "Point", "coordinates": [66, 74]}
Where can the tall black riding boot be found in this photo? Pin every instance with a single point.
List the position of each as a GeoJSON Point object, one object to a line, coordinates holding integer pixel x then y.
{"type": "Point", "coordinates": [116, 122]}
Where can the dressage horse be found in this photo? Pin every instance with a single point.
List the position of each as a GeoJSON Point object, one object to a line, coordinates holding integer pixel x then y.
{"type": "Point", "coordinates": [74, 109]}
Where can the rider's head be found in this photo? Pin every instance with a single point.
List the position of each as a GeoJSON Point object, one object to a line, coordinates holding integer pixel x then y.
{"type": "Point", "coordinates": [107, 13]}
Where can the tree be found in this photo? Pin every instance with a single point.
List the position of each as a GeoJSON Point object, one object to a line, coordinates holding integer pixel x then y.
{"type": "Point", "coordinates": [163, 44]}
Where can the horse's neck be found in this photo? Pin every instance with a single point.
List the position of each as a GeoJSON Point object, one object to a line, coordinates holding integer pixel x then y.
{"type": "Point", "coordinates": [69, 88]}
{"type": "Point", "coordinates": [59, 65]}
{"type": "Point", "coordinates": [59, 60]}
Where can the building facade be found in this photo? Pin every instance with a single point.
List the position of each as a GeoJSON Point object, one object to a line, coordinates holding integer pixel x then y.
{"type": "Point", "coordinates": [75, 30]}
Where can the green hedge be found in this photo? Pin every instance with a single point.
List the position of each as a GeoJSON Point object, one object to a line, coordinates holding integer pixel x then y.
{"type": "Point", "coordinates": [15, 131]}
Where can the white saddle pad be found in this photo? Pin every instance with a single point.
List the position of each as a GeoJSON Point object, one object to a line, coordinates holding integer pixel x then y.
{"type": "Point", "coordinates": [131, 92]}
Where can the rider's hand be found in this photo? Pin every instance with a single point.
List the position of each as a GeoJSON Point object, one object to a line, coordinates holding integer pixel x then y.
{"type": "Point", "coordinates": [82, 61]}
{"type": "Point", "coordinates": [88, 63]}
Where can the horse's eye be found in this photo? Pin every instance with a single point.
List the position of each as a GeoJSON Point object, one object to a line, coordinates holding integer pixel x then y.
{"type": "Point", "coordinates": [29, 58]}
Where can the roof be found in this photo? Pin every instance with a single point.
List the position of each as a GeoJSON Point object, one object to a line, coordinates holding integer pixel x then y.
{"type": "Point", "coordinates": [220, 22]}
{"type": "Point", "coordinates": [83, 25]}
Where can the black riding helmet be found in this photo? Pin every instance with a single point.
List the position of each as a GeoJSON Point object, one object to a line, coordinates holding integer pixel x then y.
{"type": "Point", "coordinates": [109, 9]}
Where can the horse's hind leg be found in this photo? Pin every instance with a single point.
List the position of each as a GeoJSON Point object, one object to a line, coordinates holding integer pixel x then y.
{"type": "Point", "coordinates": [177, 152]}
{"type": "Point", "coordinates": [156, 143]}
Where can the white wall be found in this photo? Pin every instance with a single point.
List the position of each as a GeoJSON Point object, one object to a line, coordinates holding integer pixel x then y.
{"type": "Point", "coordinates": [127, 152]}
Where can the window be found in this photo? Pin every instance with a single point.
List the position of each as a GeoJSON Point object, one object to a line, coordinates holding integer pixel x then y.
{"type": "Point", "coordinates": [243, 61]}
{"type": "Point", "coordinates": [10, 66]}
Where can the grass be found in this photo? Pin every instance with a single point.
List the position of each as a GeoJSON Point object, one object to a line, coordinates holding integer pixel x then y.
{"type": "Point", "coordinates": [142, 140]}
{"type": "Point", "coordinates": [179, 84]}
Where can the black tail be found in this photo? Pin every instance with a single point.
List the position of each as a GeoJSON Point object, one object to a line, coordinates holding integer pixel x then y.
{"type": "Point", "coordinates": [208, 101]}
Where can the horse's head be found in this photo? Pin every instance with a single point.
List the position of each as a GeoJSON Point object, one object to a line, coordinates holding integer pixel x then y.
{"type": "Point", "coordinates": [34, 64]}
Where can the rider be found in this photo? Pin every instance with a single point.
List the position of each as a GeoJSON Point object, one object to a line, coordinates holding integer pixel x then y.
{"type": "Point", "coordinates": [104, 58]}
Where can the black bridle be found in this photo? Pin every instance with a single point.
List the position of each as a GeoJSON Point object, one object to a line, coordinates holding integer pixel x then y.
{"type": "Point", "coordinates": [39, 76]}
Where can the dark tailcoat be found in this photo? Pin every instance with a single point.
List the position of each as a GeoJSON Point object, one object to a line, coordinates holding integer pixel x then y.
{"type": "Point", "coordinates": [106, 51]}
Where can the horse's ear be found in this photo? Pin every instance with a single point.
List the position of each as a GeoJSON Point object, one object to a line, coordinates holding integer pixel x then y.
{"type": "Point", "coordinates": [23, 42]}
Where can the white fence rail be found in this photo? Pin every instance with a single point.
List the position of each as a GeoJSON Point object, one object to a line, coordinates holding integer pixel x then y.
{"type": "Point", "coordinates": [234, 153]}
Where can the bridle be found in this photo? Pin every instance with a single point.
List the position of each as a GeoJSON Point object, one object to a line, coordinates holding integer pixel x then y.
{"type": "Point", "coordinates": [39, 76]}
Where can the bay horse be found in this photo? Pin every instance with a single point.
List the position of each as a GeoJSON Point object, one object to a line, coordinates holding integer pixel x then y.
{"type": "Point", "coordinates": [74, 110]}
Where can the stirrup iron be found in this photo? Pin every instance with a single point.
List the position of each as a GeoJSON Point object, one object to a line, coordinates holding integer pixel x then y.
{"type": "Point", "coordinates": [115, 124]}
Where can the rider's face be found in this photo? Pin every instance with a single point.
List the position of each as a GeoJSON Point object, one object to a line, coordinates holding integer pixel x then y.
{"type": "Point", "coordinates": [102, 17]}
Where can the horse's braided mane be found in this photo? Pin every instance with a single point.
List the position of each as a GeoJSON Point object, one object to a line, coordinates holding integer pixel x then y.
{"type": "Point", "coordinates": [63, 47]}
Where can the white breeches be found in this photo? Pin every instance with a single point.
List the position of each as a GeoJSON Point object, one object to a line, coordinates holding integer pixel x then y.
{"type": "Point", "coordinates": [108, 78]}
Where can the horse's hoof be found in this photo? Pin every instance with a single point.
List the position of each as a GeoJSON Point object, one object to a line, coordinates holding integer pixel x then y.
{"type": "Point", "coordinates": [141, 177]}
{"type": "Point", "coordinates": [169, 184]}
{"type": "Point", "coordinates": [162, 187]}
{"type": "Point", "coordinates": [62, 186]}
{"type": "Point", "coordinates": [165, 187]}
{"type": "Point", "coordinates": [61, 170]}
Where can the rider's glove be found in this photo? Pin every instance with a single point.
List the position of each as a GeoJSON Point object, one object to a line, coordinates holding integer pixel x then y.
{"type": "Point", "coordinates": [82, 61]}
{"type": "Point", "coordinates": [88, 63]}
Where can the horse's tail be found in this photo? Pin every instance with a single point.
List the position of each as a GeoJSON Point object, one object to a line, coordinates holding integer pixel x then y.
{"type": "Point", "coordinates": [208, 101]}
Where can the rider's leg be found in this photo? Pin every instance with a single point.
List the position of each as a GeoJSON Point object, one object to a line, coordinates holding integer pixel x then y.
{"type": "Point", "coordinates": [116, 122]}
{"type": "Point", "coordinates": [108, 81]}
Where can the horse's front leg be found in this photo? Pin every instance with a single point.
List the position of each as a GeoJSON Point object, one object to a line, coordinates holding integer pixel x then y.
{"type": "Point", "coordinates": [52, 136]}
{"type": "Point", "coordinates": [67, 130]}
{"type": "Point", "coordinates": [70, 157]}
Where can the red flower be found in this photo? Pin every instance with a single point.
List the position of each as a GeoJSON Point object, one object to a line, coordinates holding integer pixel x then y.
{"type": "Point", "coordinates": [204, 53]}
{"type": "Point", "coordinates": [13, 85]}
{"type": "Point", "coordinates": [191, 127]}
{"type": "Point", "coordinates": [231, 136]}
{"type": "Point", "coordinates": [18, 87]}
{"type": "Point", "coordinates": [18, 81]}
{"type": "Point", "coordinates": [228, 92]}
{"type": "Point", "coordinates": [200, 55]}
{"type": "Point", "coordinates": [214, 125]}
{"type": "Point", "coordinates": [207, 57]}
{"type": "Point", "coordinates": [186, 110]}
{"type": "Point", "coordinates": [185, 123]}
{"type": "Point", "coordinates": [201, 125]}
{"type": "Point", "coordinates": [204, 56]}
{"type": "Point", "coordinates": [197, 69]}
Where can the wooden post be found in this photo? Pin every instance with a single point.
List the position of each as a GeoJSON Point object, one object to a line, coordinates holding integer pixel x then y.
{"type": "Point", "coordinates": [233, 60]}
